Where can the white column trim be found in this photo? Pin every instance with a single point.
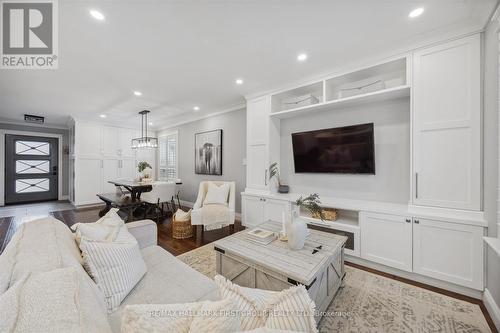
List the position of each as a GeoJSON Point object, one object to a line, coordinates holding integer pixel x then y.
{"type": "Point", "coordinates": [2, 159]}
{"type": "Point", "coordinates": [492, 307]}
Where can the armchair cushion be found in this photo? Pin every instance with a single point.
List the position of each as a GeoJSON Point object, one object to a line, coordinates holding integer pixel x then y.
{"type": "Point", "coordinates": [217, 194]}
{"type": "Point", "coordinates": [211, 214]}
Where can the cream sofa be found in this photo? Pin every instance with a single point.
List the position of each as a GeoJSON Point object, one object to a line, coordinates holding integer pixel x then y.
{"type": "Point", "coordinates": [47, 244]}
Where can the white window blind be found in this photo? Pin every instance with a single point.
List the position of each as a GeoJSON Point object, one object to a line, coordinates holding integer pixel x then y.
{"type": "Point", "coordinates": [168, 156]}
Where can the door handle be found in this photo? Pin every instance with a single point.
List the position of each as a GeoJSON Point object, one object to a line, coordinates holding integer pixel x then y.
{"type": "Point", "coordinates": [265, 177]}
{"type": "Point", "coordinates": [54, 170]}
{"type": "Point", "coordinates": [416, 185]}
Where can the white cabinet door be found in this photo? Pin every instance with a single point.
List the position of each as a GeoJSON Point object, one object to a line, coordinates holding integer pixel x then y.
{"type": "Point", "coordinates": [258, 111]}
{"type": "Point", "coordinates": [387, 239]}
{"type": "Point", "coordinates": [125, 136]}
{"type": "Point", "coordinates": [257, 166]}
{"type": "Point", "coordinates": [110, 171]}
{"type": "Point", "coordinates": [87, 139]}
{"type": "Point", "coordinates": [253, 211]}
{"type": "Point", "coordinates": [274, 209]}
{"type": "Point", "coordinates": [110, 141]}
{"type": "Point", "coordinates": [128, 169]}
{"type": "Point", "coordinates": [88, 180]}
{"type": "Point", "coordinates": [446, 131]}
{"type": "Point", "coordinates": [448, 251]}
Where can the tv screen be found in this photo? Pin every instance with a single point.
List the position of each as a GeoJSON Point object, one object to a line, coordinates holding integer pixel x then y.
{"type": "Point", "coordinates": [348, 149]}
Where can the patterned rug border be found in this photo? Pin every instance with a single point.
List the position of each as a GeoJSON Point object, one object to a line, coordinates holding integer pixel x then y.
{"type": "Point", "coordinates": [371, 302]}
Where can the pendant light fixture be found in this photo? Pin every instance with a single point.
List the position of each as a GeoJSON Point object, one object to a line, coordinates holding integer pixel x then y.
{"type": "Point", "coordinates": [144, 141]}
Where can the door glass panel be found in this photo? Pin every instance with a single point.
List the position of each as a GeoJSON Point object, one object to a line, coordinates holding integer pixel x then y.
{"type": "Point", "coordinates": [32, 166]}
{"type": "Point", "coordinates": [32, 185]}
{"type": "Point", "coordinates": [32, 148]}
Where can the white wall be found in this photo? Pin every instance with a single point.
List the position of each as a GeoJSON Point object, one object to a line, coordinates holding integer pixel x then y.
{"type": "Point", "coordinates": [491, 146]}
{"type": "Point", "coordinates": [233, 125]}
{"type": "Point", "coordinates": [392, 153]}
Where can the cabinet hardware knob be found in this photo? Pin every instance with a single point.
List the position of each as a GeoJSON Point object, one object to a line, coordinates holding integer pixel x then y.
{"type": "Point", "coordinates": [417, 221]}
{"type": "Point", "coordinates": [408, 220]}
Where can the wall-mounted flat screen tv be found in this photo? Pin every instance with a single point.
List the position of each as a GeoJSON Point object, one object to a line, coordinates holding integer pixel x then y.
{"type": "Point", "coordinates": [348, 149]}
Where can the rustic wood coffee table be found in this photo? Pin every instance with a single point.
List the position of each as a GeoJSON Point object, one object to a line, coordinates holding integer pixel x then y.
{"type": "Point", "coordinates": [319, 266]}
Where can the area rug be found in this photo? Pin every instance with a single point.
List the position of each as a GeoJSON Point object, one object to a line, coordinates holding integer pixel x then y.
{"type": "Point", "coordinates": [372, 303]}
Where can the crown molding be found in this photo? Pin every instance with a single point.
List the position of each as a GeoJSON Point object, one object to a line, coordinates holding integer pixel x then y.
{"type": "Point", "coordinates": [205, 116]}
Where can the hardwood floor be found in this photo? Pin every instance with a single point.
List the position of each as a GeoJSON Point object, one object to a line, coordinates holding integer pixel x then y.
{"type": "Point", "coordinates": [8, 226]}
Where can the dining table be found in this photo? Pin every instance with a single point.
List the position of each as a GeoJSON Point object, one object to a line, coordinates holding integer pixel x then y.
{"type": "Point", "coordinates": [127, 197]}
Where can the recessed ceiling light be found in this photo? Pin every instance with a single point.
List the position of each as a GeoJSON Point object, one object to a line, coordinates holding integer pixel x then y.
{"type": "Point", "coordinates": [416, 12]}
{"type": "Point", "coordinates": [196, 108]}
{"type": "Point", "coordinates": [137, 93]}
{"type": "Point", "coordinates": [102, 116]}
{"type": "Point", "coordinates": [302, 57]}
{"type": "Point", "coordinates": [239, 81]}
{"type": "Point", "coordinates": [97, 15]}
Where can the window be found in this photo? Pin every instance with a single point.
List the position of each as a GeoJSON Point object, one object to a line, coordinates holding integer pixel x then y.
{"type": "Point", "coordinates": [168, 156]}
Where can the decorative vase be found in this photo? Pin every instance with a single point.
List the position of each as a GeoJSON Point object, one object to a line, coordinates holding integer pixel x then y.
{"type": "Point", "coordinates": [146, 174]}
{"type": "Point", "coordinates": [296, 231]}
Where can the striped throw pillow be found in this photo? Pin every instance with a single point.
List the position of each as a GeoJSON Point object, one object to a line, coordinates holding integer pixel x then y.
{"type": "Point", "coordinates": [290, 310]}
{"type": "Point", "coordinates": [116, 267]}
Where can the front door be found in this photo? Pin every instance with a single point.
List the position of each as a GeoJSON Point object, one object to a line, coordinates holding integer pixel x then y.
{"type": "Point", "coordinates": [31, 168]}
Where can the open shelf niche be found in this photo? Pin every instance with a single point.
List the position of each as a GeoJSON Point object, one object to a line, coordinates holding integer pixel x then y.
{"type": "Point", "coordinates": [385, 81]}
{"type": "Point", "coordinates": [346, 224]}
{"type": "Point", "coordinates": [308, 95]}
{"type": "Point", "coordinates": [386, 76]}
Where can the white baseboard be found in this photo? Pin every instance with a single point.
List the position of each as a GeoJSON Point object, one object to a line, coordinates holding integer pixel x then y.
{"type": "Point", "coordinates": [190, 204]}
{"type": "Point", "coordinates": [492, 307]}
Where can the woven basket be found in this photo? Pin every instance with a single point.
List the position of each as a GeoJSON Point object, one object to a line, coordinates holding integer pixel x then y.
{"type": "Point", "coordinates": [329, 214]}
{"type": "Point", "coordinates": [181, 229]}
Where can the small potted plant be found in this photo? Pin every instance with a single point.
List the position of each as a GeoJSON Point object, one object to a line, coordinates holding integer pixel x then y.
{"type": "Point", "coordinates": [274, 172]}
{"type": "Point", "coordinates": [312, 204]}
{"type": "Point", "coordinates": [144, 169]}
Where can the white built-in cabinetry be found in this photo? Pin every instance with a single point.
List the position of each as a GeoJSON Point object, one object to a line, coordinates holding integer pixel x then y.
{"type": "Point", "coordinates": [258, 143]}
{"type": "Point", "coordinates": [449, 251]}
{"type": "Point", "coordinates": [438, 234]}
{"type": "Point", "coordinates": [447, 124]}
{"type": "Point", "coordinates": [256, 209]}
{"type": "Point", "coordinates": [382, 234]}
{"type": "Point", "coordinates": [435, 248]}
{"type": "Point", "coordinates": [101, 153]}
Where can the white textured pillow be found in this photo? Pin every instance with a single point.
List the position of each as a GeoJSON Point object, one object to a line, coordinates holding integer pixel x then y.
{"type": "Point", "coordinates": [197, 317]}
{"type": "Point", "coordinates": [291, 309]}
{"type": "Point", "coordinates": [53, 301]}
{"type": "Point", "coordinates": [103, 229]}
{"type": "Point", "coordinates": [181, 215]}
{"type": "Point", "coordinates": [116, 267]}
{"type": "Point", "coordinates": [217, 194]}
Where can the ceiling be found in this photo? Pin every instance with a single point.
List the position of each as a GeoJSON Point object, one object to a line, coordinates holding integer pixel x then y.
{"type": "Point", "coordinates": [182, 54]}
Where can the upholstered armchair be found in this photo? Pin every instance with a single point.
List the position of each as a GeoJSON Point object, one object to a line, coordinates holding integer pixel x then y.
{"type": "Point", "coordinates": [209, 215]}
